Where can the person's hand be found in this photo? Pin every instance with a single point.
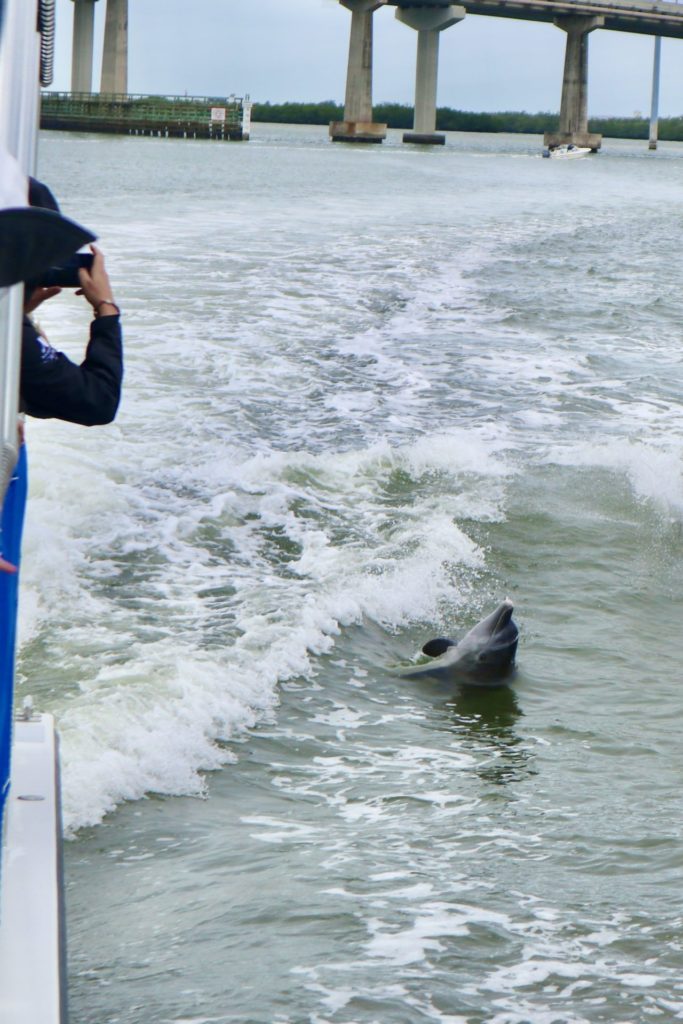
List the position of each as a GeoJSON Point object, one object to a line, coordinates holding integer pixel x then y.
{"type": "Point", "coordinates": [6, 566]}
{"type": "Point", "coordinates": [37, 296]}
{"type": "Point", "coordinates": [95, 283]}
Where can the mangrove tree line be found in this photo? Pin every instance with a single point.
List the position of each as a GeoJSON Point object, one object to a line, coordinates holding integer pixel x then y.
{"type": "Point", "coordinates": [399, 115]}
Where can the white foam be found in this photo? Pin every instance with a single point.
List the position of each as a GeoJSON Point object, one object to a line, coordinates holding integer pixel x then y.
{"type": "Point", "coordinates": [434, 922]}
{"type": "Point", "coordinates": [654, 469]}
{"type": "Point", "coordinates": [534, 972]}
{"type": "Point", "coordinates": [146, 711]}
{"type": "Point", "coordinates": [280, 832]}
{"type": "Point", "coordinates": [639, 980]}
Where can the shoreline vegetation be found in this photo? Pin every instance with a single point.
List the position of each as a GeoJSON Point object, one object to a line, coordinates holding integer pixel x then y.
{"type": "Point", "coordinates": [398, 115]}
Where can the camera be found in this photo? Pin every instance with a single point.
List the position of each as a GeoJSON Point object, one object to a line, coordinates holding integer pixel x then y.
{"type": "Point", "coordinates": [65, 275]}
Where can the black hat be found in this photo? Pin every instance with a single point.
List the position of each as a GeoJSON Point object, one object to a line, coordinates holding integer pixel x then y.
{"type": "Point", "coordinates": [36, 237]}
{"type": "Point", "coordinates": [40, 195]}
{"type": "Point", "coordinates": [32, 240]}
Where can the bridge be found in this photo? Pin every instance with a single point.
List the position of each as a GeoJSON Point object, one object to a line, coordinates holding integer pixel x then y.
{"type": "Point", "coordinates": [428, 18]}
{"type": "Point", "coordinates": [578, 18]}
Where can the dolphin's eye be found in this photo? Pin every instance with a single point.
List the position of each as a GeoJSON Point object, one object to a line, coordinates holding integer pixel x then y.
{"type": "Point", "coordinates": [482, 657]}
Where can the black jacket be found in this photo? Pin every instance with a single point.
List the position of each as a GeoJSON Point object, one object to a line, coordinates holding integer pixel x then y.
{"type": "Point", "coordinates": [53, 386]}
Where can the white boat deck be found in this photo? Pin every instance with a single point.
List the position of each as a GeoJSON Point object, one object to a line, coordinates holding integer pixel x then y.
{"type": "Point", "coordinates": [32, 987]}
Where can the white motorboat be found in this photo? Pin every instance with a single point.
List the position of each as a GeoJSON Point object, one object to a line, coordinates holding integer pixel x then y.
{"type": "Point", "coordinates": [566, 151]}
{"type": "Point", "coordinates": [32, 961]}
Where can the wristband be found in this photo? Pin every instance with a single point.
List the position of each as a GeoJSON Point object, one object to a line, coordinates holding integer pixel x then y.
{"type": "Point", "coordinates": [106, 302]}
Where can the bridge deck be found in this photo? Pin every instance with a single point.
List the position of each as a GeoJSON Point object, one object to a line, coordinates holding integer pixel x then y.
{"type": "Point", "coordinates": [655, 19]}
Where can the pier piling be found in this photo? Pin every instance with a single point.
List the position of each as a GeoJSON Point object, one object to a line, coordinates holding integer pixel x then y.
{"type": "Point", "coordinates": [654, 108]}
{"type": "Point", "coordinates": [82, 46]}
{"type": "Point", "coordinates": [574, 104]}
{"type": "Point", "coordinates": [358, 125]}
{"type": "Point", "coordinates": [428, 22]}
{"type": "Point", "coordinates": [115, 53]}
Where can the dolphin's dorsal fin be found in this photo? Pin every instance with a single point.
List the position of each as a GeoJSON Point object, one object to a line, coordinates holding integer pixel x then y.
{"type": "Point", "coordinates": [438, 646]}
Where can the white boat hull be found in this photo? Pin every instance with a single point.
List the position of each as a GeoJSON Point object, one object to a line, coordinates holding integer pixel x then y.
{"type": "Point", "coordinates": [32, 947]}
{"type": "Point", "coordinates": [566, 152]}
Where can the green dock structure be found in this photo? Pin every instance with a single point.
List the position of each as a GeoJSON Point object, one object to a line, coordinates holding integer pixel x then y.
{"type": "Point", "coordinates": [177, 117]}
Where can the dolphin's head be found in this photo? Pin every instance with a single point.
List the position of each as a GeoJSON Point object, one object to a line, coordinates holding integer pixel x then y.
{"type": "Point", "coordinates": [489, 649]}
{"type": "Point", "coordinates": [484, 657]}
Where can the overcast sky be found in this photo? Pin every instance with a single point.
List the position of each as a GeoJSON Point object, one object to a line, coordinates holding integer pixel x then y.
{"type": "Point", "coordinates": [297, 49]}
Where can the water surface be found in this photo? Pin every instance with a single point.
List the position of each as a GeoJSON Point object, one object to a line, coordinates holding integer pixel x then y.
{"type": "Point", "coordinates": [369, 393]}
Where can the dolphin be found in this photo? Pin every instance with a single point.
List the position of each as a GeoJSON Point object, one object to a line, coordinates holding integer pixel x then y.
{"type": "Point", "coordinates": [484, 657]}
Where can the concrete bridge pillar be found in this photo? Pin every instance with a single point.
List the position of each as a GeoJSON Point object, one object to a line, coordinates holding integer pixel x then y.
{"type": "Point", "coordinates": [654, 106]}
{"type": "Point", "coordinates": [574, 105]}
{"type": "Point", "coordinates": [115, 54]}
{"type": "Point", "coordinates": [358, 125]}
{"type": "Point", "coordinates": [82, 46]}
{"type": "Point", "coordinates": [428, 23]}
